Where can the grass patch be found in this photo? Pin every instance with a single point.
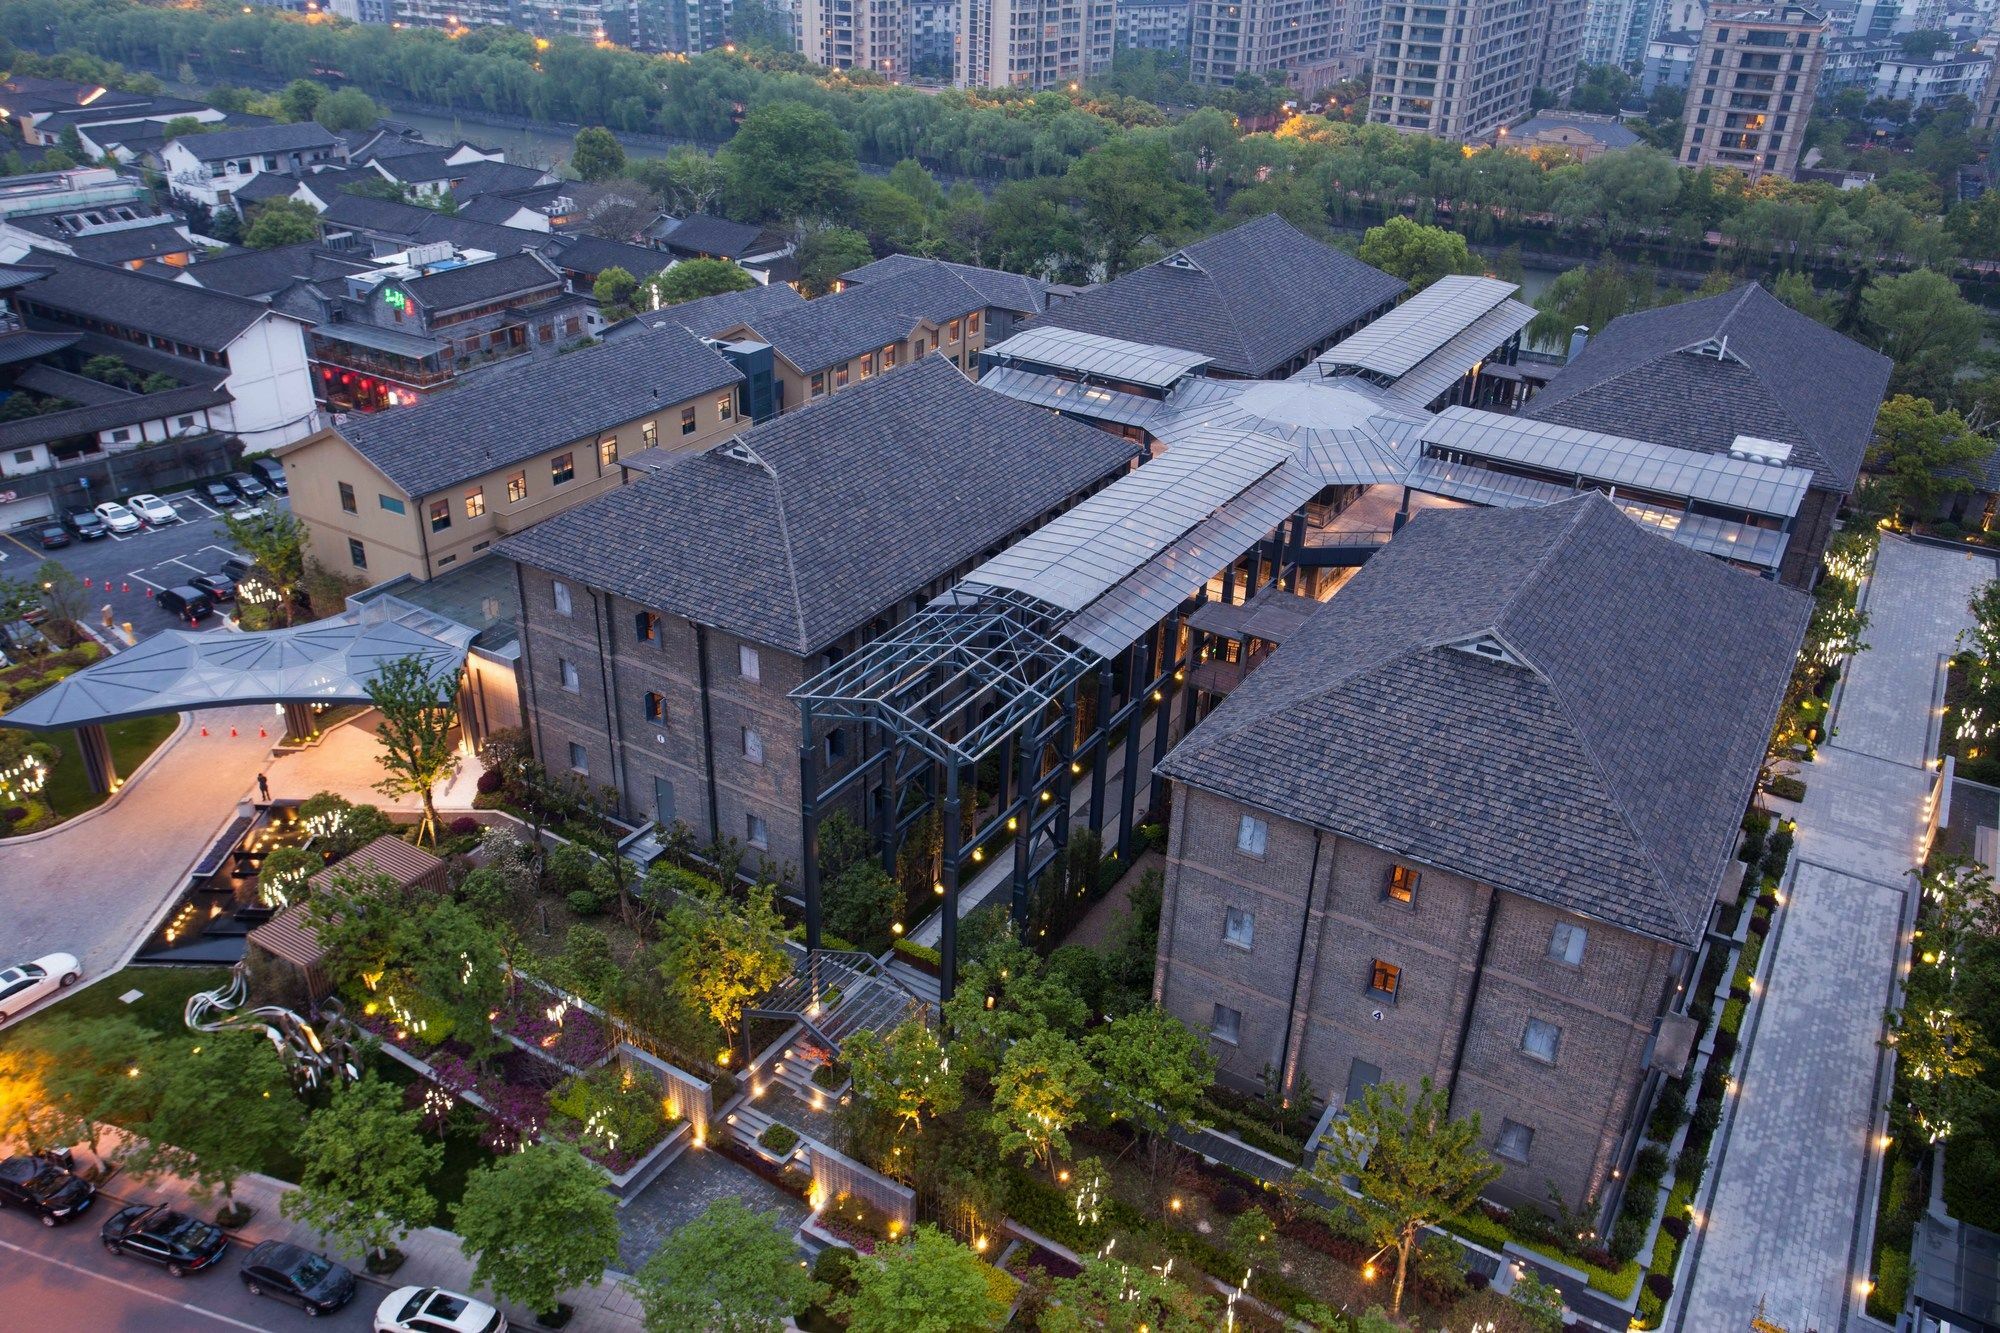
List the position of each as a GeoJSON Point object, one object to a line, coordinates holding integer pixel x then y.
{"type": "Point", "coordinates": [160, 1007]}
{"type": "Point", "coordinates": [69, 794]}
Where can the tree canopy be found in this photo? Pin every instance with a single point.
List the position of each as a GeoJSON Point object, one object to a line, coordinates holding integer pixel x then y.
{"type": "Point", "coordinates": [692, 279]}
{"type": "Point", "coordinates": [729, 1270]}
{"type": "Point", "coordinates": [597, 155]}
{"type": "Point", "coordinates": [364, 1169]}
{"type": "Point", "coordinates": [1416, 253]}
{"type": "Point", "coordinates": [930, 1285]}
{"type": "Point", "coordinates": [539, 1222]}
{"type": "Point", "coordinates": [277, 222]}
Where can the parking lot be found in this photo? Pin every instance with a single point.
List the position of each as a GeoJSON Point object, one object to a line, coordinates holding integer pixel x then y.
{"type": "Point", "coordinates": [125, 570]}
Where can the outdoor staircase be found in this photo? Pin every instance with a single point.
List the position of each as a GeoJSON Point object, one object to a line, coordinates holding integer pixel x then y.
{"type": "Point", "coordinates": [918, 983]}
{"type": "Point", "coordinates": [864, 998]}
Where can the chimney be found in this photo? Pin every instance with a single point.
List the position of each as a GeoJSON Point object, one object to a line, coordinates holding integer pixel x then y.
{"type": "Point", "coordinates": [1579, 338]}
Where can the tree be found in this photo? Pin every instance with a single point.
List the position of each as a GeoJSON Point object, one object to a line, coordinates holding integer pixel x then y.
{"type": "Point", "coordinates": [826, 254]}
{"type": "Point", "coordinates": [729, 1270]}
{"type": "Point", "coordinates": [1414, 1166]}
{"type": "Point", "coordinates": [1796, 290]}
{"type": "Point", "coordinates": [1926, 454]}
{"type": "Point", "coordinates": [277, 222]}
{"type": "Point", "coordinates": [224, 225]}
{"type": "Point", "coordinates": [1418, 254]}
{"type": "Point", "coordinates": [220, 1107]}
{"type": "Point", "coordinates": [1921, 322]}
{"type": "Point", "coordinates": [1111, 1296]}
{"type": "Point", "coordinates": [67, 1080]}
{"type": "Point", "coordinates": [597, 155]}
{"type": "Point", "coordinates": [1154, 1072]}
{"type": "Point", "coordinates": [1128, 192]}
{"type": "Point", "coordinates": [718, 955]}
{"type": "Point", "coordinates": [1038, 1094]}
{"type": "Point", "coordinates": [1025, 999]}
{"type": "Point", "coordinates": [788, 160]}
{"type": "Point", "coordinates": [539, 1222]}
{"type": "Point", "coordinates": [363, 1167]}
{"type": "Point", "coordinates": [61, 591]}
{"type": "Point", "coordinates": [300, 99]}
{"type": "Point", "coordinates": [348, 109]}
{"type": "Point", "coordinates": [613, 291]}
{"type": "Point", "coordinates": [761, 25]}
{"type": "Point", "coordinates": [275, 541]}
{"type": "Point", "coordinates": [931, 1285]}
{"type": "Point", "coordinates": [692, 279]}
{"type": "Point", "coordinates": [863, 902]}
{"type": "Point", "coordinates": [905, 1076]}
{"type": "Point", "coordinates": [686, 179]}
{"type": "Point", "coordinates": [419, 714]}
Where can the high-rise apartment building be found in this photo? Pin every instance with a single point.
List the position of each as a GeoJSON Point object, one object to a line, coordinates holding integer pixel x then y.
{"type": "Point", "coordinates": [1615, 32]}
{"type": "Point", "coordinates": [1033, 43]}
{"type": "Point", "coordinates": [1153, 25]}
{"type": "Point", "coordinates": [1756, 73]}
{"type": "Point", "coordinates": [857, 34]}
{"type": "Point", "coordinates": [1231, 37]}
{"type": "Point", "coordinates": [1462, 69]}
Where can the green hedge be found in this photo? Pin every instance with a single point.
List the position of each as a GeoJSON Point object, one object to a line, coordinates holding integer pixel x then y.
{"type": "Point", "coordinates": [1252, 1130]}
{"type": "Point", "coordinates": [780, 1139]}
{"type": "Point", "coordinates": [919, 953]}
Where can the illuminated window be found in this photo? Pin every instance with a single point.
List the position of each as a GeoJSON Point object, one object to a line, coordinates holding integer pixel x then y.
{"type": "Point", "coordinates": [1384, 979]}
{"type": "Point", "coordinates": [475, 502]}
{"type": "Point", "coordinates": [440, 515]}
{"type": "Point", "coordinates": [687, 421]}
{"type": "Point", "coordinates": [867, 364]}
{"type": "Point", "coordinates": [1402, 886]}
{"type": "Point", "coordinates": [607, 451]}
{"type": "Point", "coordinates": [517, 487]}
{"type": "Point", "coordinates": [561, 468]}
{"type": "Point", "coordinates": [725, 407]}
{"type": "Point", "coordinates": [972, 322]}
{"type": "Point", "coordinates": [818, 385]}
{"type": "Point", "coordinates": [649, 433]}
{"type": "Point", "coordinates": [347, 498]}
{"type": "Point", "coordinates": [951, 332]}
{"type": "Point", "coordinates": [889, 357]}
{"type": "Point", "coordinates": [656, 706]}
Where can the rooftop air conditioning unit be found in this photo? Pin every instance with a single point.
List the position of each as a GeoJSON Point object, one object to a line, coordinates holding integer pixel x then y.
{"type": "Point", "coordinates": [1754, 450]}
{"type": "Point", "coordinates": [429, 253]}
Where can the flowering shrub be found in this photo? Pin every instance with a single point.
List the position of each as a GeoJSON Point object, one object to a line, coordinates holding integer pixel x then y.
{"type": "Point", "coordinates": [555, 1025]}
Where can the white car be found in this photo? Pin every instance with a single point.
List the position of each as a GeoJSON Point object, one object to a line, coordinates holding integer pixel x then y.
{"type": "Point", "coordinates": [117, 517]}
{"type": "Point", "coordinates": [23, 986]}
{"type": "Point", "coordinates": [248, 510]}
{"type": "Point", "coordinates": [153, 509]}
{"type": "Point", "coordinates": [435, 1310]}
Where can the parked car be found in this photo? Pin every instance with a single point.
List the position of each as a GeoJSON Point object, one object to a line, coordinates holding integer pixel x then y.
{"type": "Point", "coordinates": [86, 524]}
{"type": "Point", "coordinates": [435, 1310]}
{"type": "Point", "coordinates": [117, 517]}
{"type": "Point", "coordinates": [27, 983]}
{"type": "Point", "coordinates": [284, 1272]}
{"type": "Point", "coordinates": [272, 472]}
{"type": "Point", "coordinates": [159, 1235]}
{"type": "Point", "coordinates": [53, 536]}
{"type": "Point", "coordinates": [237, 568]}
{"type": "Point", "coordinates": [249, 509]}
{"type": "Point", "coordinates": [153, 509]}
{"type": "Point", "coordinates": [218, 587]}
{"type": "Point", "coordinates": [45, 1186]}
{"type": "Point", "coordinates": [186, 602]}
{"type": "Point", "coordinates": [248, 485]}
{"type": "Point", "coordinates": [220, 495]}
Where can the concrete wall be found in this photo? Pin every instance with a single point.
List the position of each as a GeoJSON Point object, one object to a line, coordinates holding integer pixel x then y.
{"type": "Point", "coordinates": [688, 1094]}
{"type": "Point", "coordinates": [271, 383]}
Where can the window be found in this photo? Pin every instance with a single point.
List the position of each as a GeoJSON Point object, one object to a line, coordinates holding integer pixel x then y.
{"type": "Point", "coordinates": [867, 364]}
{"type": "Point", "coordinates": [923, 345]}
{"type": "Point", "coordinates": [24, 455]}
{"type": "Point", "coordinates": [1514, 1142]}
{"type": "Point", "coordinates": [561, 468]}
{"type": "Point", "coordinates": [578, 760]}
{"type": "Point", "coordinates": [755, 831]}
{"type": "Point", "coordinates": [817, 386]}
{"type": "Point", "coordinates": [1251, 833]}
{"type": "Point", "coordinates": [1541, 1040]}
{"type": "Point", "coordinates": [725, 407]}
{"type": "Point", "coordinates": [951, 332]}
{"type": "Point", "coordinates": [840, 376]}
{"type": "Point", "coordinates": [357, 553]}
{"type": "Point", "coordinates": [1385, 979]}
{"type": "Point", "coordinates": [187, 423]}
{"type": "Point", "coordinates": [573, 326]}
{"type": "Point", "coordinates": [475, 502]}
{"type": "Point", "coordinates": [889, 357]}
{"type": "Point", "coordinates": [836, 745]}
{"type": "Point", "coordinates": [753, 745]}
{"type": "Point", "coordinates": [649, 433]}
{"type": "Point", "coordinates": [571, 681]}
{"type": "Point", "coordinates": [646, 627]}
{"type": "Point", "coordinates": [1566, 943]}
{"type": "Point", "coordinates": [687, 421]}
{"type": "Point", "coordinates": [607, 451]}
{"type": "Point", "coordinates": [517, 487]}
{"type": "Point", "coordinates": [747, 664]}
{"type": "Point", "coordinates": [347, 498]}
{"type": "Point", "coordinates": [1361, 1076]}
{"type": "Point", "coordinates": [656, 707]}
{"type": "Point", "coordinates": [391, 503]}
{"type": "Point", "coordinates": [1402, 886]}
{"type": "Point", "coordinates": [972, 322]}
{"type": "Point", "coordinates": [559, 594]}
{"type": "Point", "coordinates": [1238, 927]}
{"type": "Point", "coordinates": [440, 515]}
{"type": "Point", "coordinates": [1226, 1025]}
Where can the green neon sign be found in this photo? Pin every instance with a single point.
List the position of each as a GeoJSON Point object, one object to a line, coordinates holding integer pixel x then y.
{"type": "Point", "coordinates": [394, 296]}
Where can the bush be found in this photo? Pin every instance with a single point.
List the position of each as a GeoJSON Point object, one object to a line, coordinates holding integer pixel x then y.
{"type": "Point", "coordinates": [490, 782]}
{"type": "Point", "coordinates": [780, 1139]}
{"type": "Point", "coordinates": [1779, 850]}
{"type": "Point", "coordinates": [464, 826]}
{"type": "Point", "coordinates": [1760, 925]}
{"type": "Point", "coordinates": [568, 868]}
{"type": "Point", "coordinates": [1677, 1227]}
{"type": "Point", "coordinates": [1650, 1166]}
{"type": "Point", "coordinates": [921, 955]}
{"type": "Point", "coordinates": [862, 903]}
{"type": "Point", "coordinates": [830, 1075]}
{"type": "Point", "coordinates": [1785, 789]}
{"type": "Point", "coordinates": [1231, 1202]}
{"type": "Point", "coordinates": [584, 902]}
{"type": "Point", "coordinates": [1660, 1285]}
{"type": "Point", "coordinates": [1628, 1233]}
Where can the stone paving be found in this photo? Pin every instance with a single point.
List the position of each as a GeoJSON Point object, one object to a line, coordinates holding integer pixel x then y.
{"type": "Point", "coordinates": [1783, 1223]}
{"type": "Point", "coordinates": [681, 1193]}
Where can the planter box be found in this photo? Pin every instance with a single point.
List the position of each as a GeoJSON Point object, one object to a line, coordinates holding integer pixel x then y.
{"type": "Point", "coordinates": [627, 1184]}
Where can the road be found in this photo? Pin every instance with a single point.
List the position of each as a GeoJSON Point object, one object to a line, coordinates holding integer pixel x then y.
{"type": "Point", "coordinates": [62, 1278]}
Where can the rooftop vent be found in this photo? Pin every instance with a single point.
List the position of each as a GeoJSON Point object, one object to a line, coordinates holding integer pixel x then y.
{"type": "Point", "coordinates": [1753, 450]}
{"type": "Point", "coordinates": [429, 253]}
{"type": "Point", "coordinates": [1489, 647]}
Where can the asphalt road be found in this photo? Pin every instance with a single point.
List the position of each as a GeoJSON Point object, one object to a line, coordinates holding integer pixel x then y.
{"type": "Point", "coordinates": [62, 1277]}
{"type": "Point", "coordinates": [124, 570]}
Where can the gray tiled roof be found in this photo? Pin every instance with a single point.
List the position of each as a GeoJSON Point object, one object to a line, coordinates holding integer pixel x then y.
{"type": "Point", "coordinates": [128, 409]}
{"type": "Point", "coordinates": [489, 280]}
{"type": "Point", "coordinates": [1256, 296]}
{"type": "Point", "coordinates": [360, 212]}
{"type": "Point", "coordinates": [1607, 130]}
{"type": "Point", "coordinates": [824, 332]}
{"type": "Point", "coordinates": [855, 502]}
{"type": "Point", "coordinates": [713, 236]}
{"type": "Point", "coordinates": [516, 413]}
{"type": "Point", "coordinates": [1780, 375]}
{"type": "Point", "coordinates": [259, 273]}
{"type": "Point", "coordinates": [999, 289]}
{"type": "Point", "coordinates": [251, 139]}
{"type": "Point", "coordinates": [478, 178]}
{"type": "Point", "coordinates": [209, 320]}
{"type": "Point", "coordinates": [1603, 771]}
{"type": "Point", "coordinates": [708, 316]}
{"type": "Point", "coordinates": [594, 254]}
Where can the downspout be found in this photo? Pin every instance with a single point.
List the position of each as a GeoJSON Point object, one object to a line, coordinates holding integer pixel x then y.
{"type": "Point", "coordinates": [423, 536]}
{"type": "Point", "coordinates": [607, 670]}
{"type": "Point", "coordinates": [1472, 998]}
{"type": "Point", "coordinates": [527, 669]}
{"type": "Point", "coordinates": [1298, 970]}
{"type": "Point", "coordinates": [707, 730]}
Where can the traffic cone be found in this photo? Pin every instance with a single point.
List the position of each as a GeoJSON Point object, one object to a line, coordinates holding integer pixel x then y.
{"type": "Point", "coordinates": [262, 734]}
{"type": "Point", "coordinates": [124, 587]}
{"type": "Point", "coordinates": [204, 731]}
{"type": "Point", "coordinates": [86, 582]}
{"type": "Point", "coordinates": [232, 733]}
{"type": "Point", "coordinates": [149, 594]}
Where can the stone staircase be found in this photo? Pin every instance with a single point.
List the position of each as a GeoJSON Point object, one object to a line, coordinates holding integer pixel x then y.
{"type": "Point", "coordinates": [865, 997]}
{"type": "Point", "coordinates": [918, 983]}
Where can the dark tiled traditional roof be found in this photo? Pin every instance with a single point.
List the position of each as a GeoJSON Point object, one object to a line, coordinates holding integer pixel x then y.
{"type": "Point", "coordinates": [1602, 765]}
{"type": "Point", "coordinates": [478, 284]}
{"type": "Point", "coordinates": [114, 245]}
{"type": "Point", "coordinates": [259, 273]}
{"type": "Point", "coordinates": [841, 509]}
{"type": "Point", "coordinates": [266, 185]}
{"type": "Point", "coordinates": [700, 233]}
{"type": "Point", "coordinates": [493, 209]}
{"type": "Point", "coordinates": [1699, 374]}
{"type": "Point", "coordinates": [303, 136]}
{"type": "Point", "coordinates": [999, 289]}
{"type": "Point", "coordinates": [388, 217]}
{"type": "Point", "coordinates": [204, 319]}
{"type": "Point", "coordinates": [477, 178]}
{"type": "Point", "coordinates": [511, 414]}
{"type": "Point", "coordinates": [1250, 298]}
{"type": "Point", "coordinates": [832, 329]}
{"type": "Point", "coordinates": [127, 410]}
{"type": "Point", "coordinates": [709, 316]}
{"type": "Point", "coordinates": [594, 254]}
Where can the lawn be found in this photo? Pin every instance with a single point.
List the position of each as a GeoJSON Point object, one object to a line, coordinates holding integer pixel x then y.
{"type": "Point", "coordinates": [69, 793]}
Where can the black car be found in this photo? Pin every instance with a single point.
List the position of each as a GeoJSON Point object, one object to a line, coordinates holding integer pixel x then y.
{"type": "Point", "coordinates": [53, 536]}
{"type": "Point", "coordinates": [236, 569]}
{"type": "Point", "coordinates": [86, 524]}
{"type": "Point", "coordinates": [159, 1235]}
{"type": "Point", "coordinates": [248, 485]}
{"type": "Point", "coordinates": [220, 495]}
{"type": "Point", "coordinates": [187, 603]}
{"type": "Point", "coordinates": [271, 472]}
{"type": "Point", "coordinates": [217, 587]}
{"type": "Point", "coordinates": [45, 1187]}
{"type": "Point", "coordinates": [285, 1272]}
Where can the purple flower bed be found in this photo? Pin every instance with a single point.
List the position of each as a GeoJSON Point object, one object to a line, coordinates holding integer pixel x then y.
{"type": "Point", "coordinates": [1031, 1256]}
{"type": "Point", "coordinates": [862, 1242]}
{"type": "Point", "coordinates": [581, 1039]}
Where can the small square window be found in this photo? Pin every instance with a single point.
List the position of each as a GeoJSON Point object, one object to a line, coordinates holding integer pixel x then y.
{"type": "Point", "coordinates": [1226, 1025]}
{"type": "Point", "coordinates": [687, 421]}
{"type": "Point", "coordinates": [656, 706]}
{"type": "Point", "coordinates": [440, 515]}
{"type": "Point", "coordinates": [1514, 1142]}
{"type": "Point", "coordinates": [725, 407]}
{"type": "Point", "coordinates": [818, 385]}
{"type": "Point", "coordinates": [559, 593]}
{"type": "Point", "coordinates": [607, 451]}
{"type": "Point", "coordinates": [347, 498]}
{"type": "Point", "coordinates": [646, 627]}
{"type": "Point", "coordinates": [1402, 886]}
{"type": "Point", "coordinates": [357, 553]}
{"type": "Point", "coordinates": [1542, 1040]}
{"type": "Point", "coordinates": [1251, 833]}
{"type": "Point", "coordinates": [1566, 943]}
{"type": "Point", "coordinates": [753, 745]}
{"type": "Point", "coordinates": [561, 468]}
{"type": "Point", "coordinates": [747, 664]}
{"type": "Point", "coordinates": [1238, 927]}
{"type": "Point", "coordinates": [755, 831]}
{"type": "Point", "coordinates": [578, 760]}
{"type": "Point", "coordinates": [1385, 979]}
{"type": "Point", "coordinates": [475, 502]}
{"type": "Point", "coordinates": [649, 433]}
{"type": "Point", "coordinates": [517, 487]}
{"type": "Point", "coordinates": [571, 681]}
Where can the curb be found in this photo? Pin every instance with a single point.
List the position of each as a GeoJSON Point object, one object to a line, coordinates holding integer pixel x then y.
{"type": "Point", "coordinates": [110, 802]}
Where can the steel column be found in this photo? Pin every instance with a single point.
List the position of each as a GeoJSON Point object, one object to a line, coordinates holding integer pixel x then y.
{"type": "Point", "coordinates": [299, 724]}
{"type": "Point", "coordinates": [98, 767]}
{"type": "Point", "coordinates": [948, 941]}
{"type": "Point", "coordinates": [809, 822]}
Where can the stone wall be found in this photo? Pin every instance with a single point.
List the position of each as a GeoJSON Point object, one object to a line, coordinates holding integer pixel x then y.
{"type": "Point", "coordinates": [835, 1174]}
{"type": "Point", "coordinates": [688, 1094]}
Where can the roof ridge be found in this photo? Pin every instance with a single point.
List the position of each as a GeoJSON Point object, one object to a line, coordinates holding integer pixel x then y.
{"type": "Point", "coordinates": [785, 541]}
